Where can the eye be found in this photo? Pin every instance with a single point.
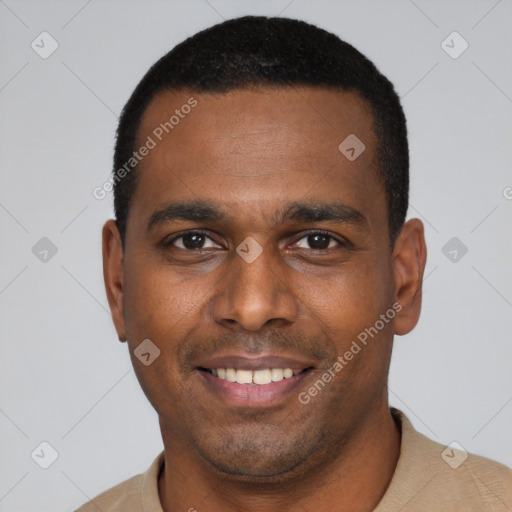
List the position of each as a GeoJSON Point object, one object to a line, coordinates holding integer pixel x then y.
{"type": "Point", "coordinates": [190, 241]}
{"type": "Point", "coordinates": [319, 240]}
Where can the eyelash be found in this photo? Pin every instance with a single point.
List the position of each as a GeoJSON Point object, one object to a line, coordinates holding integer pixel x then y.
{"type": "Point", "coordinates": [169, 243]}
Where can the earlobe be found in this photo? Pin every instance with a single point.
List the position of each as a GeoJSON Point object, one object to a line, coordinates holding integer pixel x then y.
{"type": "Point", "coordinates": [409, 258]}
{"type": "Point", "coordinates": [113, 274]}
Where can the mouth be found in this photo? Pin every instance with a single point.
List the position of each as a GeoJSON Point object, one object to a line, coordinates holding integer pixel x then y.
{"type": "Point", "coordinates": [245, 381]}
{"type": "Point", "coordinates": [254, 377]}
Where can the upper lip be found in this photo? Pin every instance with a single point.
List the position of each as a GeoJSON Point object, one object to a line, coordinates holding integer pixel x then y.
{"type": "Point", "coordinates": [251, 362]}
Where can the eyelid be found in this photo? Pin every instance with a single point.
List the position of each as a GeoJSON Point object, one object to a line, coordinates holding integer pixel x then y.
{"type": "Point", "coordinates": [177, 236]}
{"type": "Point", "coordinates": [327, 234]}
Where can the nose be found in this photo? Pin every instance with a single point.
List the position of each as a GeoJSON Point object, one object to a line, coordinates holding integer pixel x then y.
{"type": "Point", "coordinates": [255, 294]}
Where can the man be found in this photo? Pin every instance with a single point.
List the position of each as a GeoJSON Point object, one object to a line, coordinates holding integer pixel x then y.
{"type": "Point", "coordinates": [259, 266]}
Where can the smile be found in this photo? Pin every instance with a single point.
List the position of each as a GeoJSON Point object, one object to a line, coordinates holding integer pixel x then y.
{"type": "Point", "coordinates": [261, 377]}
{"type": "Point", "coordinates": [242, 380]}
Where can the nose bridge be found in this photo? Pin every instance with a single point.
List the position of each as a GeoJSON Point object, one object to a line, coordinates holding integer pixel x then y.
{"type": "Point", "coordinates": [254, 290]}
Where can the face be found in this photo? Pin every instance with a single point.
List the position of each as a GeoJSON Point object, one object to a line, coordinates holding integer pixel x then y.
{"type": "Point", "coordinates": [257, 252]}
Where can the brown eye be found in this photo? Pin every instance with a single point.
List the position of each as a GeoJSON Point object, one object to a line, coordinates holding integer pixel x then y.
{"type": "Point", "coordinates": [318, 241]}
{"type": "Point", "coordinates": [193, 240]}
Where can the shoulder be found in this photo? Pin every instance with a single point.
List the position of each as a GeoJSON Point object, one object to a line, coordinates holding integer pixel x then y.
{"type": "Point", "coordinates": [489, 479]}
{"type": "Point", "coordinates": [431, 476]}
{"type": "Point", "coordinates": [472, 481]}
{"type": "Point", "coordinates": [136, 494]}
{"type": "Point", "coordinates": [124, 496]}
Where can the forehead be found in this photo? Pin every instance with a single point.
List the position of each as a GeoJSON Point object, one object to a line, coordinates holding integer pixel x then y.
{"type": "Point", "coordinates": [252, 148]}
{"type": "Point", "coordinates": [317, 119]}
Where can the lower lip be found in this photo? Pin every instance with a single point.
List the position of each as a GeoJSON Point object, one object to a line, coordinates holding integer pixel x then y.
{"type": "Point", "coordinates": [253, 395]}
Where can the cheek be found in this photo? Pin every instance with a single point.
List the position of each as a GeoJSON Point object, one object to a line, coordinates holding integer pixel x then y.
{"type": "Point", "coordinates": [164, 308]}
{"type": "Point", "coordinates": [160, 303]}
{"type": "Point", "coordinates": [348, 308]}
{"type": "Point", "coordinates": [352, 298]}
{"type": "Point", "coordinates": [154, 291]}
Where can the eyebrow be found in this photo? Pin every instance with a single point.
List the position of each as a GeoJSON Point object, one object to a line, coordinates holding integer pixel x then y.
{"type": "Point", "coordinates": [205, 211]}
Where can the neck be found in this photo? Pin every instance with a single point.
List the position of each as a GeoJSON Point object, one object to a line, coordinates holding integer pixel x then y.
{"type": "Point", "coordinates": [355, 481]}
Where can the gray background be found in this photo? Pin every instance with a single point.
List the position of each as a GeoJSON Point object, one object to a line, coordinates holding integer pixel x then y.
{"type": "Point", "coordinates": [64, 377]}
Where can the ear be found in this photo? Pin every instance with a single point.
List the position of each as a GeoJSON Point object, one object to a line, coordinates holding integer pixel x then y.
{"type": "Point", "coordinates": [409, 258]}
{"type": "Point", "coordinates": [113, 274]}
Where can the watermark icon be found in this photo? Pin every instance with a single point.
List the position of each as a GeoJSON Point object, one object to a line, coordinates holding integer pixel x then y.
{"type": "Point", "coordinates": [507, 193]}
{"type": "Point", "coordinates": [454, 249]}
{"type": "Point", "coordinates": [44, 250]}
{"type": "Point", "coordinates": [249, 249]}
{"type": "Point", "coordinates": [146, 352]}
{"type": "Point", "coordinates": [44, 455]}
{"type": "Point", "coordinates": [342, 361]}
{"type": "Point", "coordinates": [44, 45]}
{"type": "Point", "coordinates": [351, 147]}
{"type": "Point", "coordinates": [454, 45]}
{"type": "Point", "coordinates": [100, 192]}
{"type": "Point", "coordinates": [454, 455]}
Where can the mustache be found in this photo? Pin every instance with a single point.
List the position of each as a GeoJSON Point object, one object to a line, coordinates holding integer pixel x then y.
{"type": "Point", "coordinates": [319, 348]}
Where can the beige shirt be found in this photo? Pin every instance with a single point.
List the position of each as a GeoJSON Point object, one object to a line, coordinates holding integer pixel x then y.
{"type": "Point", "coordinates": [428, 477]}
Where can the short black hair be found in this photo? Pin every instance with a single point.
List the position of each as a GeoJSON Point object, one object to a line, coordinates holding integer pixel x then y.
{"type": "Point", "coordinates": [256, 50]}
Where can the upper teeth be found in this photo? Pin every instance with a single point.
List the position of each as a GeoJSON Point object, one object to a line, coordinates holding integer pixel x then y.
{"type": "Point", "coordinates": [260, 377]}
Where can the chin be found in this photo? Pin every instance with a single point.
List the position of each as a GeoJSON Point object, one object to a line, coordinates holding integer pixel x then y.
{"type": "Point", "coordinates": [256, 453]}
